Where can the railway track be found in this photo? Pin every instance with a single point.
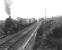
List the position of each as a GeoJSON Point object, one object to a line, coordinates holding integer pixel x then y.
{"type": "Point", "coordinates": [4, 36]}
{"type": "Point", "coordinates": [7, 38]}
{"type": "Point", "coordinates": [24, 41]}
{"type": "Point", "coordinates": [14, 42]}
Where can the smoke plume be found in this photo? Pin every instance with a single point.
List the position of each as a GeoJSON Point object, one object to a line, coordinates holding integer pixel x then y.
{"type": "Point", "coordinates": [7, 6]}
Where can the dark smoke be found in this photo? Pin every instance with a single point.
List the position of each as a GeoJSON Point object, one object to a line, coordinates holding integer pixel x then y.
{"type": "Point", "coordinates": [7, 6]}
{"type": "Point", "coordinates": [7, 10]}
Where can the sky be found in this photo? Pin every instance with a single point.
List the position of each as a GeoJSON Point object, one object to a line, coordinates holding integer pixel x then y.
{"type": "Point", "coordinates": [32, 8]}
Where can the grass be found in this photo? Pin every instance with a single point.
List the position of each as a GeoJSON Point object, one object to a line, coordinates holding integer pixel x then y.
{"type": "Point", "coordinates": [49, 35]}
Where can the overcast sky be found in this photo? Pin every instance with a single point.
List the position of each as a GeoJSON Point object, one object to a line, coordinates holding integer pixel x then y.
{"type": "Point", "coordinates": [32, 8]}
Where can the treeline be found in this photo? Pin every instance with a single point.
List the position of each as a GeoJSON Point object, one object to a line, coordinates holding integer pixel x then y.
{"type": "Point", "coordinates": [11, 26]}
{"type": "Point", "coordinates": [49, 35]}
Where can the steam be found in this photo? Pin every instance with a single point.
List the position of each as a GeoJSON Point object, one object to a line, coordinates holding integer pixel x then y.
{"type": "Point", "coordinates": [7, 6]}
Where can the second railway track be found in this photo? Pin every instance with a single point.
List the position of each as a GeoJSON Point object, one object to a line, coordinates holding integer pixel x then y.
{"type": "Point", "coordinates": [12, 42]}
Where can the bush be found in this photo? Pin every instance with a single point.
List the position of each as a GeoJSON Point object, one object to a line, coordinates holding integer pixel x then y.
{"type": "Point", "coordinates": [49, 36]}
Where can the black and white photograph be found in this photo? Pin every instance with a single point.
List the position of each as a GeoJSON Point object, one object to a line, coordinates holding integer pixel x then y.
{"type": "Point", "coordinates": [30, 25]}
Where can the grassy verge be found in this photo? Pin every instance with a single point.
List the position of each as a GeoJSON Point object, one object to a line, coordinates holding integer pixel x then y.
{"type": "Point", "coordinates": [49, 35]}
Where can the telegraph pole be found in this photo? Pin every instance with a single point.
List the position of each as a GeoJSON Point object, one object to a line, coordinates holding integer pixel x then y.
{"type": "Point", "coordinates": [45, 13]}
